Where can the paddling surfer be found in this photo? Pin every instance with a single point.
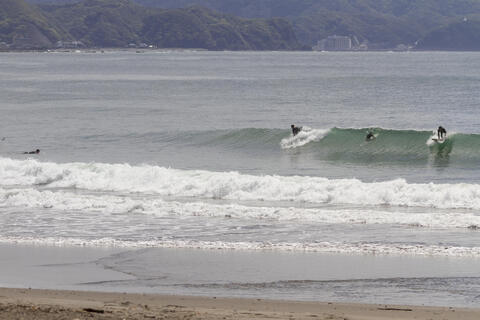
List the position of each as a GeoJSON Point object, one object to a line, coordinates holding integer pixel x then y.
{"type": "Point", "coordinates": [370, 136]}
{"type": "Point", "coordinates": [32, 152]}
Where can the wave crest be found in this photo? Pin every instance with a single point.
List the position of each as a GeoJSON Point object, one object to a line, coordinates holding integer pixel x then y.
{"type": "Point", "coordinates": [305, 136]}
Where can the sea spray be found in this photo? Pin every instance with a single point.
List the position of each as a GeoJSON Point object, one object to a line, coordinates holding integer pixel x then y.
{"type": "Point", "coordinates": [305, 136]}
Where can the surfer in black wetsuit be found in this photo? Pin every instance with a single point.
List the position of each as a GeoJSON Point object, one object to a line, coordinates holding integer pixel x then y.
{"type": "Point", "coordinates": [33, 152]}
{"type": "Point", "coordinates": [441, 133]}
{"type": "Point", "coordinates": [369, 136]}
{"type": "Point", "coordinates": [295, 130]}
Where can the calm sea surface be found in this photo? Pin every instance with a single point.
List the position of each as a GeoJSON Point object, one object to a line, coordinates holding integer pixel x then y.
{"type": "Point", "coordinates": [194, 150]}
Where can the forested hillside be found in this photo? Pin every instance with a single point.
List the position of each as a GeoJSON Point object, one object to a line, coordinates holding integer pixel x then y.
{"type": "Point", "coordinates": [23, 25]}
{"type": "Point", "coordinates": [464, 35]}
{"type": "Point", "coordinates": [383, 24]}
{"type": "Point", "coordinates": [120, 23]}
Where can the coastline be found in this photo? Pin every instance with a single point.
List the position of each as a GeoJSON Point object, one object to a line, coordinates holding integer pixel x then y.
{"type": "Point", "coordinates": [58, 304]}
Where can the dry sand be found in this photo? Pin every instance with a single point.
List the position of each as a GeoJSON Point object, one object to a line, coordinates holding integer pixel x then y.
{"type": "Point", "coordinates": [55, 304]}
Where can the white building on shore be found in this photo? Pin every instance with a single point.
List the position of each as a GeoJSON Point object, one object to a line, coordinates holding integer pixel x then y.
{"type": "Point", "coordinates": [334, 43]}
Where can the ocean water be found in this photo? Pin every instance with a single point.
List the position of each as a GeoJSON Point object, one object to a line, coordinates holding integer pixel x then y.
{"type": "Point", "coordinates": [193, 150]}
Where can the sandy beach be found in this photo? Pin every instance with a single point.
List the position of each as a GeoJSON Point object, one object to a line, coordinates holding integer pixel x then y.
{"type": "Point", "coordinates": [273, 275]}
{"type": "Point", "coordinates": [56, 304]}
{"type": "Point", "coordinates": [79, 289]}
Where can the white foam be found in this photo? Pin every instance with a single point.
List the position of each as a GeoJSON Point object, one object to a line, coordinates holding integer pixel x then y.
{"type": "Point", "coordinates": [305, 136]}
{"type": "Point", "coordinates": [322, 247]}
{"type": "Point", "coordinates": [162, 181]}
{"type": "Point", "coordinates": [104, 204]}
{"type": "Point", "coordinates": [430, 140]}
{"type": "Point", "coordinates": [434, 135]}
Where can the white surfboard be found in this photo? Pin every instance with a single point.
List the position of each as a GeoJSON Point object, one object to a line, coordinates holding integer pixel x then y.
{"type": "Point", "coordinates": [437, 140]}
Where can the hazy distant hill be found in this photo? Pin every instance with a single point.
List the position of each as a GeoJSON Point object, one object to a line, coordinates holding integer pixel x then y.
{"type": "Point", "coordinates": [101, 23]}
{"type": "Point", "coordinates": [202, 28]}
{"type": "Point", "coordinates": [22, 24]}
{"type": "Point", "coordinates": [382, 23]}
{"type": "Point", "coordinates": [119, 23]}
{"type": "Point", "coordinates": [385, 23]}
{"type": "Point", "coordinates": [464, 35]}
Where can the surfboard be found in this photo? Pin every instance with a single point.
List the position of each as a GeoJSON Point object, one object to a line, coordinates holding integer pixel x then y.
{"type": "Point", "coordinates": [372, 137]}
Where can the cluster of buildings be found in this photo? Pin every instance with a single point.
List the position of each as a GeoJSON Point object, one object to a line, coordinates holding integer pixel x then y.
{"type": "Point", "coordinates": [69, 44]}
{"type": "Point", "coordinates": [141, 45]}
{"type": "Point", "coordinates": [344, 43]}
{"type": "Point", "coordinates": [29, 44]}
{"type": "Point", "coordinates": [340, 43]}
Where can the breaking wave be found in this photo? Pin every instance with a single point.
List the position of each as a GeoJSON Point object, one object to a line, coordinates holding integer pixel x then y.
{"type": "Point", "coordinates": [388, 145]}
{"type": "Point", "coordinates": [332, 144]}
{"type": "Point", "coordinates": [105, 204]}
{"type": "Point", "coordinates": [161, 181]}
{"type": "Point", "coordinates": [322, 247]}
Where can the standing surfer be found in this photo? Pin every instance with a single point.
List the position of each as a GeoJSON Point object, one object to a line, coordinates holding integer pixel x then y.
{"type": "Point", "coordinates": [295, 130]}
{"type": "Point", "coordinates": [441, 133]}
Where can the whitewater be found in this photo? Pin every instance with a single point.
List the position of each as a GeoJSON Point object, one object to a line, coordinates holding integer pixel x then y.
{"type": "Point", "coordinates": [68, 195]}
{"type": "Point", "coordinates": [234, 185]}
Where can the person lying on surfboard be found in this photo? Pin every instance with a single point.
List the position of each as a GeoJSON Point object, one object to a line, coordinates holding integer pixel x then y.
{"type": "Point", "coordinates": [441, 133]}
{"type": "Point", "coordinates": [370, 136]}
{"type": "Point", "coordinates": [295, 130]}
{"type": "Point", "coordinates": [32, 152]}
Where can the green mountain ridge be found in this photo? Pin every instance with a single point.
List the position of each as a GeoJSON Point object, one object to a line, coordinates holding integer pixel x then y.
{"type": "Point", "coordinates": [251, 24]}
{"type": "Point", "coordinates": [99, 23]}
{"type": "Point", "coordinates": [464, 35]}
{"type": "Point", "coordinates": [383, 23]}
{"type": "Point", "coordinates": [119, 23]}
{"type": "Point", "coordinates": [26, 26]}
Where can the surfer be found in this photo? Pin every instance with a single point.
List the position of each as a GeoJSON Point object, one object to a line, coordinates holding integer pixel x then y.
{"type": "Point", "coordinates": [295, 130]}
{"type": "Point", "coordinates": [441, 133]}
{"type": "Point", "coordinates": [32, 152]}
{"type": "Point", "coordinates": [370, 136]}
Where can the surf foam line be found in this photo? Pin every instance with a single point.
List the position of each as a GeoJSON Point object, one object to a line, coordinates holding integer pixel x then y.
{"type": "Point", "coordinates": [163, 181]}
{"type": "Point", "coordinates": [69, 204]}
{"type": "Point", "coordinates": [321, 247]}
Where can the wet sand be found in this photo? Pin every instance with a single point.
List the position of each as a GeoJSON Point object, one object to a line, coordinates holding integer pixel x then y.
{"type": "Point", "coordinates": [70, 283]}
{"type": "Point", "coordinates": [243, 274]}
{"type": "Point", "coordinates": [56, 304]}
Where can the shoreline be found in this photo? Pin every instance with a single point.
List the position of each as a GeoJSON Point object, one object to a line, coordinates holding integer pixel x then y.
{"type": "Point", "coordinates": [60, 304]}
{"type": "Point", "coordinates": [278, 276]}
{"type": "Point", "coordinates": [143, 50]}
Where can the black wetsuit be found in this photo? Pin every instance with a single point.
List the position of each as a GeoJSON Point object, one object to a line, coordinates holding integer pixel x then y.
{"type": "Point", "coordinates": [369, 136]}
{"type": "Point", "coordinates": [296, 130]}
{"type": "Point", "coordinates": [441, 132]}
{"type": "Point", "coordinates": [32, 152]}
